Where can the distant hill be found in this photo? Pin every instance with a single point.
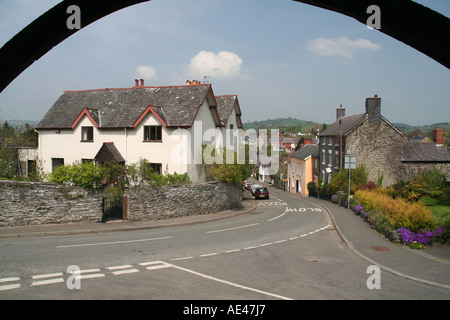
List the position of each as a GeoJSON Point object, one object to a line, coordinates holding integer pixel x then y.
{"type": "Point", "coordinates": [303, 125]}
{"type": "Point", "coordinates": [406, 128]}
{"type": "Point", "coordinates": [283, 123]}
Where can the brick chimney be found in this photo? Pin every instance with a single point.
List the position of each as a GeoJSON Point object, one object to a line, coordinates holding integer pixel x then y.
{"type": "Point", "coordinates": [438, 136]}
{"type": "Point", "coordinates": [373, 109]}
{"type": "Point", "coordinates": [136, 82]}
{"type": "Point", "coordinates": [142, 82]}
{"type": "Point", "coordinates": [340, 112]}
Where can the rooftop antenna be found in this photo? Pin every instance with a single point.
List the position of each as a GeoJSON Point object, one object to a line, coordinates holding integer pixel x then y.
{"type": "Point", "coordinates": [204, 78]}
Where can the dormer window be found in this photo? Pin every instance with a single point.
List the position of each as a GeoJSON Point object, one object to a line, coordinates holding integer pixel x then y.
{"type": "Point", "coordinates": [87, 134]}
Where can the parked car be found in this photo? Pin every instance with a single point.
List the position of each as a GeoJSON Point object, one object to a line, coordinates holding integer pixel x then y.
{"type": "Point", "coordinates": [254, 187]}
{"type": "Point", "coordinates": [248, 186]}
{"type": "Point", "coordinates": [262, 192]}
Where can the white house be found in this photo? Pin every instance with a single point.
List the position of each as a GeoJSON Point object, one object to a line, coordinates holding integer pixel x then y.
{"type": "Point", "coordinates": [165, 125]}
{"type": "Point", "coordinates": [230, 116]}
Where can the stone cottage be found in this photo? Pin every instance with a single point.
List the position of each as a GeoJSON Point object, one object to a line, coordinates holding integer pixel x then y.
{"type": "Point", "coordinates": [376, 143]}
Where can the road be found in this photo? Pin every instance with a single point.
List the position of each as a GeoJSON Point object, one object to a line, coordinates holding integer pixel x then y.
{"type": "Point", "coordinates": [285, 249]}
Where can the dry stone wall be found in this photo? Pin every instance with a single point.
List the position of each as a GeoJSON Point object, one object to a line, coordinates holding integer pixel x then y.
{"type": "Point", "coordinates": [33, 203]}
{"type": "Point", "coordinates": [36, 203]}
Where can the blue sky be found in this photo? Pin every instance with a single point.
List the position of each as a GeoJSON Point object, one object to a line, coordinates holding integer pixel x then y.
{"type": "Point", "coordinates": [282, 58]}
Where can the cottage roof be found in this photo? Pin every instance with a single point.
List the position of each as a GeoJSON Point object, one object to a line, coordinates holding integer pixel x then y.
{"type": "Point", "coordinates": [351, 122]}
{"type": "Point", "coordinates": [348, 123]}
{"type": "Point", "coordinates": [306, 151]}
{"type": "Point", "coordinates": [176, 106]}
{"type": "Point", "coordinates": [425, 152]}
{"type": "Point", "coordinates": [225, 105]}
{"type": "Point", "coordinates": [109, 152]}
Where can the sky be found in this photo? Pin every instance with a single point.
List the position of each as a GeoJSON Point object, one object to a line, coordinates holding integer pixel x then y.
{"type": "Point", "coordinates": [282, 58]}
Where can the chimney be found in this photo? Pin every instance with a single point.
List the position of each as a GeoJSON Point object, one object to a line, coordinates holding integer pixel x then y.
{"type": "Point", "coordinates": [136, 82]}
{"type": "Point", "coordinates": [188, 82]}
{"type": "Point", "coordinates": [340, 112]}
{"type": "Point", "coordinates": [142, 82]}
{"type": "Point", "coordinates": [438, 136]}
{"type": "Point", "coordinates": [373, 109]}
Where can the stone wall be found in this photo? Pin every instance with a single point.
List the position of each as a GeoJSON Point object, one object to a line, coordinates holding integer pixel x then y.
{"type": "Point", "coordinates": [33, 203]}
{"type": "Point", "coordinates": [379, 148]}
{"type": "Point", "coordinates": [175, 201]}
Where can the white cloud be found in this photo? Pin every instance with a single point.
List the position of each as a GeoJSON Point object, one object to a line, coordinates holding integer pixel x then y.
{"type": "Point", "coordinates": [340, 47]}
{"type": "Point", "coordinates": [225, 64]}
{"type": "Point", "coordinates": [146, 72]}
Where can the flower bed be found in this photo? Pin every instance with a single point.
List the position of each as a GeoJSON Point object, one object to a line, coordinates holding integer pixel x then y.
{"type": "Point", "coordinates": [400, 221]}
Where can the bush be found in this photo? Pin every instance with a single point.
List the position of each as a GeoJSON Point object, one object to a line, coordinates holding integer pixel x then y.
{"type": "Point", "coordinates": [339, 181]}
{"type": "Point", "coordinates": [312, 189]}
{"type": "Point", "coordinates": [398, 212]}
{"type": "Point", "coordinates": [85, 175]}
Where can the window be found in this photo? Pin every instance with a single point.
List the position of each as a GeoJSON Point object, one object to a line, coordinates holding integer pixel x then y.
{"type": "Point", "coordinates": [87, 134]}
{"type": "Point", "coordinates": [152, 133]}
{"type": "Point", "coordinates": [156, 167]}
{"type": "Point", "coordinates": [56, 162]}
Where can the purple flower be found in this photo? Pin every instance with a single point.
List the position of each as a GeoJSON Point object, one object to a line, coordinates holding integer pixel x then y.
{"type": "Point", "coordinates": [358, 209]}
{"type": "Point", "coordinates": [424, 237]}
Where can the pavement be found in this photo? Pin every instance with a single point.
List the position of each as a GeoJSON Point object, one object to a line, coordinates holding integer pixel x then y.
{"type": "Point", "coordinates": [430, 266]}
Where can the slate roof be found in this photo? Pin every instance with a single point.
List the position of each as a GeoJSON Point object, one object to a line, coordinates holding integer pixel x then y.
{"type": "Point", "coordinates": [424, 152]}
{"type": "Point", "coordinates": [348, 123]}
{"type": "Point", "coordinates": [119, 108]}
{"type": "Point", "coordinates": [306, 151]}
{"type": "Point", "coordinates": [351, 122]}
{"type": "Point", "coordinates": [108, 152]}
{"type": "Point", "coordinates": [225, 105]}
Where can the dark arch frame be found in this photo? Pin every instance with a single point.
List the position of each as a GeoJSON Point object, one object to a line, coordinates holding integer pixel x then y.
{"type": "Point", "coordinates": [404, 20]}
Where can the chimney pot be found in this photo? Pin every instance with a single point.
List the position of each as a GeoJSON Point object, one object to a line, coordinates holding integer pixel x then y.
{"type": "Point", "coordinates": [340, 112]}
{"type": "Point", "coordinates": [136, 82]}
{"type": "Point", "coordinates": [142, 82]}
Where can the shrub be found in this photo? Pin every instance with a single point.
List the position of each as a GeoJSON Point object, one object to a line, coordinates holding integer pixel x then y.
{"type": "Point", "coordinates": [86, 175]}
{"type": "Point", "coordinates": [339, 181]}
{"type": "Point", "coordinates": [397, 212]}
{"type": "Point", "coordinates": [312, 189]}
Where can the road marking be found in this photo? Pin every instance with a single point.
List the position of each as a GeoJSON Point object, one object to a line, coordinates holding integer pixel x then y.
{"type": "Point", "coordinates": [235, 250]}
{"type": "Point", "coordinates": [9, 279]}
{"type": "Point", "coordinates": [279, 215]}
{"type": "Point", "coordinates": [87, 274]}
{"type": "Point", "coordinates": [231, 283]}
{"type": "Point", "coordinates": [161, 266]}
{"type": "Point", "coordinates": [143, 264]}
{"type": "Point", "coordinates": [184, 258]}
{"type": "Point", "coordinates": [248, 248]}
{"type": "Point", "coordinates": [50, 281]}
{"type": "Point", "coordinates": [240, 227]}
{"type": "Point", "coordinates": [113, 242]}
{"type": "Point", "coordinates": [127, 266]}
{"type": "Point", "coordinates": [208, 254]}
{"type": "Point", "coordinates": [116, 273]}
{"type": "Point", "coordinates": [49, 275]}
{"type": "Point", "coordinates": [10, 286]}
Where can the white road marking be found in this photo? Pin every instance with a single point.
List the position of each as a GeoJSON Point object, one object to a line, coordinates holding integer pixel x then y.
{"type": "Point", "coordinates": [230, 251]}
{"type": "Point", "coordinates": [50, 281]}
{"type": "Point", "coordinates": [127, 266]}
{"type": "Point", "coordinates": [240, 227]}
{"type": "Point", "coordinates": [208, 254]}
{"type": "Point", "coordinates": [149, 263]}
{"type": "Point", "coordinates": [49, 275]}
{"type": "Point", "coordinates": [113, 242]}
{"type": "Point", "coordinates": [183, 258]}
{"type": "Point", "coordinates": [231, 283]}
{"type": "Point", "coordinates": [9, 279]}
{"type": "Point", "coordinates": [161, 266]}
{"type": "Point", "coordinates": [279, 215]}
{"type": "Point", "coordinates": [10, 286]}
{"type": "Point", "coordinates": [116, 273]}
